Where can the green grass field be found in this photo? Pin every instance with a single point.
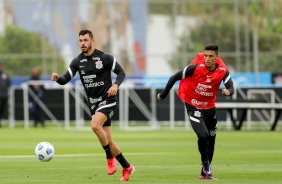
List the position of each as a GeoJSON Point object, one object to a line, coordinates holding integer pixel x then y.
{"type": "Point", "coordinates": [158, 156]}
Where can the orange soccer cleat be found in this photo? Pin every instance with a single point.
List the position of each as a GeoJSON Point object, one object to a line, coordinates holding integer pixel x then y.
{"type": "Point", "coordinates": [126, 172]}
{"type": "Point", "coordinates": [111, 165]}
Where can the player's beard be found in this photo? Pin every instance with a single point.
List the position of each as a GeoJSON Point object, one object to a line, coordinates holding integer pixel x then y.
{"type": "Point", "coordinates": [87, 49]}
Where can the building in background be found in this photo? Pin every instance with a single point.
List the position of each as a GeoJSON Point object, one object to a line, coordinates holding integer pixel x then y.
{"type": "Point", "coordinates": [120, 27]}
{"type": "Point", "coordinates": [143, 35]}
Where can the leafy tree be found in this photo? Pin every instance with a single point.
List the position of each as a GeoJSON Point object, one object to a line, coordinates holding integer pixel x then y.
{"type": "Point", "coordinates": [216, 25]}
{"type": "Point", "coordinates": [266, 18]}
{"type": "Point", "coordinates": [22, 50]}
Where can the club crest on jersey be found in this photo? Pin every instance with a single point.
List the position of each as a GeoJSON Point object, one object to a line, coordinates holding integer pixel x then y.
{"type": "Point", "coordinates": [99, 64]}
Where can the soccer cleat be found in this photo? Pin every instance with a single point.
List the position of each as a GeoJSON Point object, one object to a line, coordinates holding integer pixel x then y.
{"type": "Point", "coordinates": [206, 169]}
{"type": "Point", "coordinates": [111, 165]}
{"type": "Point", "coordinates": [206, 172]}
{"type": "Point", "coordinates": [207, 178]}
{"type": "Point", "coordinates": [126, 172]}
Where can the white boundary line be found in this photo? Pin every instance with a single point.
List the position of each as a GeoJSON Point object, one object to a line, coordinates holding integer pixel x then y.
{"type": "Point", "coordinates": [86, 155]}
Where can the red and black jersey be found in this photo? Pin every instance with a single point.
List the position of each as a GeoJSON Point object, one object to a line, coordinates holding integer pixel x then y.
{"type": "Point", "coordinates": [199, 90]}
{"type": "Point", "coordinates": [198, 86]}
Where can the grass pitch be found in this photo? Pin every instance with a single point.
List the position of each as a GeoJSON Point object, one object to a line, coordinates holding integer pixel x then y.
{"type": "Point", "coordinates": [158, 156]}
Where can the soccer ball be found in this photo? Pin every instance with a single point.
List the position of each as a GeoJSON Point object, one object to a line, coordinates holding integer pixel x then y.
{"type": "Point", "coordinates": [44, 151]}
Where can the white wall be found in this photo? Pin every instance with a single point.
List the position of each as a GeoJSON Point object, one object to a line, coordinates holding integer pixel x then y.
{"type": "Point", "coordinates": [162, 40]}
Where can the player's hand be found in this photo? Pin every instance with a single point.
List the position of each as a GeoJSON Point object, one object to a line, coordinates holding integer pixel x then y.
{"type": "Point", "coordinates": [159, 97]}
{"type": "Point", "coordinates": [112, 90]}
{"type": "Point", "coordinates": [55, 76]}
{"type": "Point", "coordinates": [225, 92]}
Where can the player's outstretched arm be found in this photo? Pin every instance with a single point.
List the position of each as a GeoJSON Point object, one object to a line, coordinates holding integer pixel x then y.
{"type": "Point", "coordinates": [61, 79]}
{"type": "Point", "coordinates": [169, 85]}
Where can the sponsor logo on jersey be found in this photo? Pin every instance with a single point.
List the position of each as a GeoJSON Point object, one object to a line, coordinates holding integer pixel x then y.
{"type": "Point", "coordinates": [81, 66]}
{"type": "Point", "coordinates": [82, 72]}
{"type": "Point", "coordinates": [96, 58]}
{"type": "Point", "coordinates": [83, 60]}
{"type": "Point", "coordinates": [202, 90]}
{"type": "Point", "coordinates": [196, 102]}
{"type": "Point", "coordinates": [95, 100]}
{"type": "Point", "coordinates": [95, 84]}
{"type": "Point", "coordinates": [89, 76]}
{"type": "Point", "coordinates": [204, 86]}
{"type": "Point", "coordinates": [99, 64]}
{"type": "Point", "coordinates": [208, 80]}
{"type": "Point", "coordinates": [88, 81]}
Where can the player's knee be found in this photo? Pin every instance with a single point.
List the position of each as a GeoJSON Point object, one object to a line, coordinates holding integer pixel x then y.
{"type": "Point", "coordinates": [96, 127]}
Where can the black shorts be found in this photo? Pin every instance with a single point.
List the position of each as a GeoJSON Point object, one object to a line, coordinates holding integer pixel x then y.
{"type": "Point", "coordinates": [107, 107]}
{"type": "Point", "coordinates": [203, 121]}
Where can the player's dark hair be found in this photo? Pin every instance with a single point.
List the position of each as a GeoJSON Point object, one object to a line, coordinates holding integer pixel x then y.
{"type": "Point", "coordinates": [212, 47]}
{"type": "Point", "coordinates": [86, 31]}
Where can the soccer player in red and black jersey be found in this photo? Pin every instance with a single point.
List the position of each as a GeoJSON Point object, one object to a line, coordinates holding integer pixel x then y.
{"type": "Point", "coordinates": [94, 68]}
{"type": "Point", "coordinates": [199, 83]}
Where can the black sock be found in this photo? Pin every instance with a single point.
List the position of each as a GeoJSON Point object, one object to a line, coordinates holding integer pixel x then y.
{"type": "Point", "coordinates": [108, 151]}
{"type": "Point", "coordinates": [122, 161]}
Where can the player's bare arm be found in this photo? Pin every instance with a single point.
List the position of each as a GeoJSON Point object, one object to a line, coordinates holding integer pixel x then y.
{"type": "Point", "coordinates": [55, 76]}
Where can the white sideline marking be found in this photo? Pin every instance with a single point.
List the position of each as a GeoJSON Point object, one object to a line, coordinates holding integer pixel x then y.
{"type": "Point", "coordinates": [84, 155]}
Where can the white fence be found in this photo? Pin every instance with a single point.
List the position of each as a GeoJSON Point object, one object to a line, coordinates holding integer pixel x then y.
{"type": "Point", "coordinates": [149, 109]}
